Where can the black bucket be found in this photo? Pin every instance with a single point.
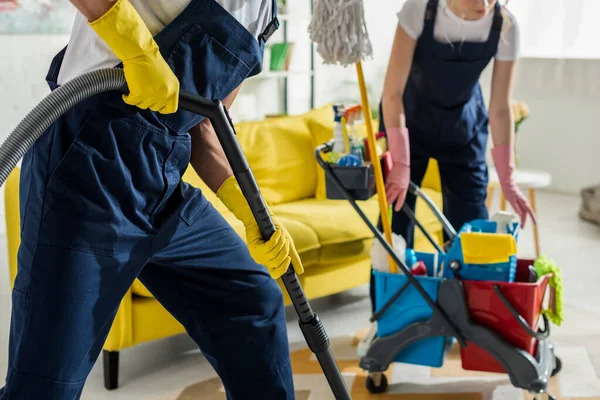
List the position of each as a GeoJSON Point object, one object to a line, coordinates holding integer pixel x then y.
{"type": "Point", "coordinates": [359, 181]}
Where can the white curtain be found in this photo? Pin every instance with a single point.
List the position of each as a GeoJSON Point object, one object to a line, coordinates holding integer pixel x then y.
{"type": "Point", "coordinates": [558, 28]}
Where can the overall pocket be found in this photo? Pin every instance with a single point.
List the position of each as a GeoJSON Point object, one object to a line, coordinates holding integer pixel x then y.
{"type": "Point", "coordinates": [173, 165]}
{"type": "Point", "coordinates": [88, 190]}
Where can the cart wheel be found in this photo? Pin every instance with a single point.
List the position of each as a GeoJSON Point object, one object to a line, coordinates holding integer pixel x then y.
{"type": "Point", "coordinates": [373, 388]}
{"type": "Point", "coordinates": [557, 366]}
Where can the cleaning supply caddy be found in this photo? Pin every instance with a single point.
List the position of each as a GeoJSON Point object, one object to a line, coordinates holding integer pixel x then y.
{"type": "Point", "coordinates": [474, 290]}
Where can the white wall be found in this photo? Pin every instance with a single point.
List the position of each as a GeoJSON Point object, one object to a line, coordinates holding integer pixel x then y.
{"type": "Point", "coordinates": [24, 61]}
{"type": "Point", "coordinates": [562, 133]}
{"type": "Point", "coordinates": [23, 65]}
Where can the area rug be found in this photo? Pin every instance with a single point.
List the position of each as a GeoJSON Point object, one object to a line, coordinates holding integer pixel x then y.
{"type": "Point", "coordinates": [577, 381]}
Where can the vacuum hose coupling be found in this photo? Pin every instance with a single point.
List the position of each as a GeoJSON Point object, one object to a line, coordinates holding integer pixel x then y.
{"type": "Point", "coordinates": [315, 334]}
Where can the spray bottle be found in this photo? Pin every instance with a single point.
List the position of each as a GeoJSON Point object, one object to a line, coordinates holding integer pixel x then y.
{"type": "Point", "coordinates": [356, 143]}
{"type": "Point", "coordinates": [339, 146]}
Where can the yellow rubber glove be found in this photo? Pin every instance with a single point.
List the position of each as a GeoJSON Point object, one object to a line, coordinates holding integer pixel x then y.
{"type": "Point", "coordinates": [279, 251]}
{"type": "Point", "coordinates": [151, 82]}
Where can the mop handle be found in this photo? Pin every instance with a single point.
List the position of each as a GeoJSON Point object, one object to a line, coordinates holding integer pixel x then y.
{"type": "Point", "coordinates": [379, 181]}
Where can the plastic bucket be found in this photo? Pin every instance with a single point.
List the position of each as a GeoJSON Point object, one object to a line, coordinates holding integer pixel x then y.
{"type": "Point", "coordinates": [487, 308]}
{"type": "Point", "coordinates": [410, 307]}
{"type": "Point", "coordinates": [482, 254]}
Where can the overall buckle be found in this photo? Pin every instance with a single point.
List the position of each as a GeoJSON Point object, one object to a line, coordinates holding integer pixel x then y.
{"type": "Point", "coordinates": [269, 30]}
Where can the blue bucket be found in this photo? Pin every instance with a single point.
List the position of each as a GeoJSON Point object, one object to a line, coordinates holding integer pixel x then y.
{"type": "Point", "coordinates": [503, 272]}
{"type": "Point", "coordinates": [410, 307]}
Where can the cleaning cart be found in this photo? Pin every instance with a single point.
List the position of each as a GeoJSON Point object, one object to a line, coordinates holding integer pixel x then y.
{"type": "Point", "coordinates": [475, 291]}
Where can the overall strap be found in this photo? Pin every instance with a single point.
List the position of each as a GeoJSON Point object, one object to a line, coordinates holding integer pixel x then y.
{"type": "Point", "coordinates": [271, 27]}
{"type": "Point", "coordinates": [496, 29]}
{"type": "Point", "coordinates": [498, 18]}
{"type": "Point", "coordinates": [430, 15]}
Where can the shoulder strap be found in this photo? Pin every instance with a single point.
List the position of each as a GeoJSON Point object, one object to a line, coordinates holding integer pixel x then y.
{"type": "Point", "coordinates": [431, 10]}
{"type": "Point", "coordinates": [429, 23]}
{"type": "Point", "coordinates": [498, 18]}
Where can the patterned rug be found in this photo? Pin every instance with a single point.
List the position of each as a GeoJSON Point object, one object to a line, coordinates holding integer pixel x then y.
{"type": "Point", "coordinates": [578, 379]}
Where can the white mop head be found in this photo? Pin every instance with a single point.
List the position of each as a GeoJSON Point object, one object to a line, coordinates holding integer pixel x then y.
{"type": "Point", "coordinates": [338, 28]}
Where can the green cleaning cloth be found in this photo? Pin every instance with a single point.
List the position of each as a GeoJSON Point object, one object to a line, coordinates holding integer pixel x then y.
{"type": "Point", "coordinates": [544, 265]}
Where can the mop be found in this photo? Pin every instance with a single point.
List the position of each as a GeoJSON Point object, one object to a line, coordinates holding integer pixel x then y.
{"type": "Point", "coordinates": [339, 30]}
{"type": "Point", "coordinates": [340, 33]}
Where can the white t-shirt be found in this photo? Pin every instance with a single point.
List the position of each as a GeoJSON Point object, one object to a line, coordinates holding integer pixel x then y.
{"type": "Point", "coordinates": [87, 51]}
{"type": "Point", "coordinates": [449, 27]}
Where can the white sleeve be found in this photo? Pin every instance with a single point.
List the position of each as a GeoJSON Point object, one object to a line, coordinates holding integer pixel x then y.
{"type": "Point", "coordinates": [411, 17]}
{"type": "Point", "coordinates": [509, 44]}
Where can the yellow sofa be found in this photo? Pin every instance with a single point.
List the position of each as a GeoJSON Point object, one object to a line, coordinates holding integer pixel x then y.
{"type": "Point", "coordinates": [332, 240]}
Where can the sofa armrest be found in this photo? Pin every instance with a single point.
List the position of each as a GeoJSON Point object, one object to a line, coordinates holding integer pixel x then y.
{"type": "Point", "coordinates": [13, 221]}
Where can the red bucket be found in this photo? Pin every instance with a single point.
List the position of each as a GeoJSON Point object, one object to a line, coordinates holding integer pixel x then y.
{"type": "Point", "coordinates": [487, 308]}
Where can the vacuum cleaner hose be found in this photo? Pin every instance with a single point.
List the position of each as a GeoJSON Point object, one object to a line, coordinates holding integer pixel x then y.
{"type": "Point", "coordinates": [59, 101]}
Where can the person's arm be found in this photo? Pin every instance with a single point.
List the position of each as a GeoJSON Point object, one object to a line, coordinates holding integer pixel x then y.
{"type": "Point", "coordinates": [208, 158]}
{"type": "Point", "coordinates": [210, 163]}
{"type": "Point", "coordinates": [399, 66]}
{"type": "Point", "coordinates": [398, 179]}
{"type": "Point", "coordinates": [503, 135]}
{"type": "Point", "coordinates": [500, 111]}
{"type": "Point", "coordinates": [93, 9]}
{"type": "Point", "coordinates": [151, 82]}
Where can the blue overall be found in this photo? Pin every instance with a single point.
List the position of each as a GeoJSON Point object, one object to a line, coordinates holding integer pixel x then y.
{"type": "Point", "coordinates": [103, 203]}
{"type": "Point", "coordinates": [447, 120]}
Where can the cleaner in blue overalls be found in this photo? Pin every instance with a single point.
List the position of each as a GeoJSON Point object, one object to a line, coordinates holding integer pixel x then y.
{"type": "Point", "coordinates": [432, 107]}
{"type": "Point", "coordinates": [103, 203]}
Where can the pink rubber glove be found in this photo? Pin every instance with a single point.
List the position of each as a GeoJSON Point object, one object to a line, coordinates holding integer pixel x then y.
{"type": "Point", "coordinates": [397, 182]}
{"type": "Point", "coordinates": [504, 161]}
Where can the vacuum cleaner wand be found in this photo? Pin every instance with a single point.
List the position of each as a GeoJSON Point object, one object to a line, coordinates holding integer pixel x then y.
{"type": "Point", "coordinates": [65, 97]}
{"type": "Point", "coordinates": [310, 324]}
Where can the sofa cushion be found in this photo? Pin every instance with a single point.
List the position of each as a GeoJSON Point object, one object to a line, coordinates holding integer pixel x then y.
{"type": "Point", "coordinates": [342, 233]}
{"type": "Point", "coordinates": [305, 239]}
{"type": "Point", "coordinates": [431, 180]}
{"type": "Point", "coordinates": [281, 156]}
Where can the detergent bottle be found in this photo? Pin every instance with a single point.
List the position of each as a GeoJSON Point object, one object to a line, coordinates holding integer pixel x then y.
{"type": "Point", "coordinates": [339, 146]}
{"type": "Point", "coordinates": [356, 141]}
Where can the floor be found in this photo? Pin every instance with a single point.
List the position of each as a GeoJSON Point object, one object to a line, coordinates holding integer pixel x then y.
{"type": "Point", "coordinates": [157, 368]}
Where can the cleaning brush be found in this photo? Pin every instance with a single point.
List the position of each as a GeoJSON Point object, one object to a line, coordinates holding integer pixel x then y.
{"type": "Point", "coordinates": [339, 29]}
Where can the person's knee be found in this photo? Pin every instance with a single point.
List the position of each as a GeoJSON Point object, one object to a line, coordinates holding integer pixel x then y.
{"type": "Point", "coordinates": [254, 328]}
